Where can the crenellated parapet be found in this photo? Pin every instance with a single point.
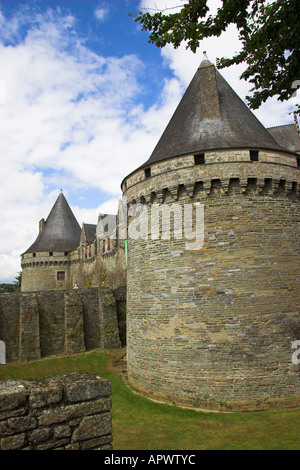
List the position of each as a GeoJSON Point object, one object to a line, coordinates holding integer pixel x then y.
{"type": "Point", "coordinates": [41, 259]}
{"type": "Point", "coordinates": [222, 171]}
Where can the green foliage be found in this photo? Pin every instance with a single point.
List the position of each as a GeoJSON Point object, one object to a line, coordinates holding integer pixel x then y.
{"type": "Point", "coordinates": [269, 34]}
{"type": "Point", "coordinates": [17, 282]}
{"type": "Point", "coordinates": [88, 281]}
{"type": "Point", "coordinates": [15, 287]}
{"type": "Point", "coordinates": [4, 288]}
{"type": "Point", "coordinates": [102, 278]}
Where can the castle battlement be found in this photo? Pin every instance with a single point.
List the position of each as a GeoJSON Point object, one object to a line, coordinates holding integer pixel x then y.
{"type": "Point", "coordinates": [269, 173]}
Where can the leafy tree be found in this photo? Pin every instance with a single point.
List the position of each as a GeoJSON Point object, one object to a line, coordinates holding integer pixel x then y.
{"type": "Point", "coordinates": [269, 34]}
{"type": "Point", "coordinates": [17, 282]}
{"type": "Point", "coordinates": [15, 287]}
{"type": "Point", "coordinates": [5, 288]}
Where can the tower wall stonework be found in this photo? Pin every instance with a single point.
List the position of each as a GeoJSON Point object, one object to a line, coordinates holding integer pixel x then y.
{"type": "Point", "coordinates": [39, 272]}
{"type": "Point", "coordinates": [213, 328]}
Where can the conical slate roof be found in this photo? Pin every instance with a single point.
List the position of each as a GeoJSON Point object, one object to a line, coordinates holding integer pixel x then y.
{"type": "Point", "coordinates": [287, 136]}
{"type": "Point", "coordinates": [61, 231]}
{"type": "Point", "coordinates": [211, 116]}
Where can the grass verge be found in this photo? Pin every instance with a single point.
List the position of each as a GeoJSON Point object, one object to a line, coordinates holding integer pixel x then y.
{"type": "Point", "coordinates": [140, 424]}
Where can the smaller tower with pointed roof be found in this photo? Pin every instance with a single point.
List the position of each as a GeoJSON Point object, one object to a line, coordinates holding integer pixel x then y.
{"type": "Point", "coordinates": [46, 263]}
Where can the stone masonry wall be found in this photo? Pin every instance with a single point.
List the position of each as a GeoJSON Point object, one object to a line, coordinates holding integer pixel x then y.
{"type": "Point", "coordinates": [70, 412]}
{"type": "Point", "coordinates": [10, 325]}
{"type": "Point", "coordinates": [104, 267]}
{"type": "Point", "coordinates": [213, 327]}
{"type": "Point", "coordinates": [39, 271]}
{"type": "Point", "coordinates": [41, 324]}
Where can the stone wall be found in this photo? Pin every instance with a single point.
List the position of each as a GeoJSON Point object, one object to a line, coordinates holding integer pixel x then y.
{"type": "Point", "coordinates": [40, 324]}
{"type": "Point", "coordinates": [70, 412]}
{"type": "Point", "coordinates": [100, 264]}
{"type": "Point", "coordinates": [104, 266]}
{"type": "Point", "coordinates": [40, 271]}
{"type": "Point", "coordinates": [10, 324]}
{"type": "Point", "coordinates": [212, 327]}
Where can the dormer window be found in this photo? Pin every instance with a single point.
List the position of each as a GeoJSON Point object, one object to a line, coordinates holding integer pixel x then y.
{"type": "Point", "coordinates": [254, 155]}
{"type": "Point", "coordinates": [199, 159]}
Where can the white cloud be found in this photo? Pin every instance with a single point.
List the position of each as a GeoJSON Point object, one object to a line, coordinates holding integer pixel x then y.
{"type": "Point", "coordinates": [101, 13]}
{"type": "Point", "coordinates": [70, 120]}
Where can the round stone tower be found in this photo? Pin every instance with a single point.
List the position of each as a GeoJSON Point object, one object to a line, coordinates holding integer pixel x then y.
{"type": "Point", "coordinates": [213, 300]}
{"type": "Point", "coordinates": [46, 263]}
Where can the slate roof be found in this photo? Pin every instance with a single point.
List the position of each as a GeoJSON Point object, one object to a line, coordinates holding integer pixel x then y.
{"type": "Point", "coordinates": [287, 136]}
{"type": "Point", "coordinates": [61, 231]}
{"type": "Point", "coordinates": [90, 233]}
{"type": "Point", "coordinates": [187, 132]}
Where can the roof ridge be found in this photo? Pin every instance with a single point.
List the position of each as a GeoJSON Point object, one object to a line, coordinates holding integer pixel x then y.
{"type": "Point", "coordinates": [281, 125]}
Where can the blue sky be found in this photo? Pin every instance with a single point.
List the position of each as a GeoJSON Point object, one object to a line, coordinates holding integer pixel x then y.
{"type": "Point", "coordinates": [84, 99]}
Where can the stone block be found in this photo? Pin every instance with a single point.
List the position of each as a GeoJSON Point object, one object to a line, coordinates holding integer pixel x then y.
{"type": "Point", "coordinates": [17, 425]}
{"type": "Point", "coordinates": [39, 435]}
{"type": "Point", "coordinates": [44, 392]}
{"type": "Point", "coordinates": [12, 395]}
{"type": "Point", "coordinates": [84, 387]}
{"type": "Point", "coordinates": [63, 413]}
{"type": "Point", "coordinates": [12, 442]}
{"type": "Point", "coordinates": [93, 426]}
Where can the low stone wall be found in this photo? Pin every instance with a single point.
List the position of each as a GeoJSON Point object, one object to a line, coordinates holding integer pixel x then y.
{"type": "Point", "coordinates": [70, 412]}
{"type": "Point", "coordinates": [34, 325]}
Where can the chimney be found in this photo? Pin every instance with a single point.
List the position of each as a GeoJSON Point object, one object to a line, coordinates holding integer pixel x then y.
{"type": "Point", "coordinates": [41, 225]}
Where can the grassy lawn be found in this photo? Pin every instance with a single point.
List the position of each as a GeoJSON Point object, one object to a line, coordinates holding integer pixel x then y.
{"type": "Point", "coordinates": [140, 424]}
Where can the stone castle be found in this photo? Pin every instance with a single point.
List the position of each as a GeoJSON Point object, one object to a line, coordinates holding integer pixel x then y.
{"type": "Point", "coordinates": [209, 325]}
{"type": "Point", "coordinates": [65, 256]}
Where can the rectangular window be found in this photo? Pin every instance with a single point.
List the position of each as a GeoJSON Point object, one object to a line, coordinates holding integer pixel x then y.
{"type": "Point", "coordinates": [34, 255]}
{"type": "Point", "coordinates": [199, 159]}
{"type": "Point", "coordinates": [61, 275]}
{"type": "Point", "coordinates": [298, 162]}
{"type": "Point", "coordinates": [147, 172]}
{"type": "Point", "coordinates": [254, 155]}
{"type": "Point", "coordinates": [51, 253]}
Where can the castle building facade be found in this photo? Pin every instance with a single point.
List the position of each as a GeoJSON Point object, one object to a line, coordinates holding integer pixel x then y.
{"type": "Point", "coordinates": [65, 256]}
{"type": "Point", "coordinates": [211, 262]}
{"type": "Point", "coordinates": [213, 310]}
